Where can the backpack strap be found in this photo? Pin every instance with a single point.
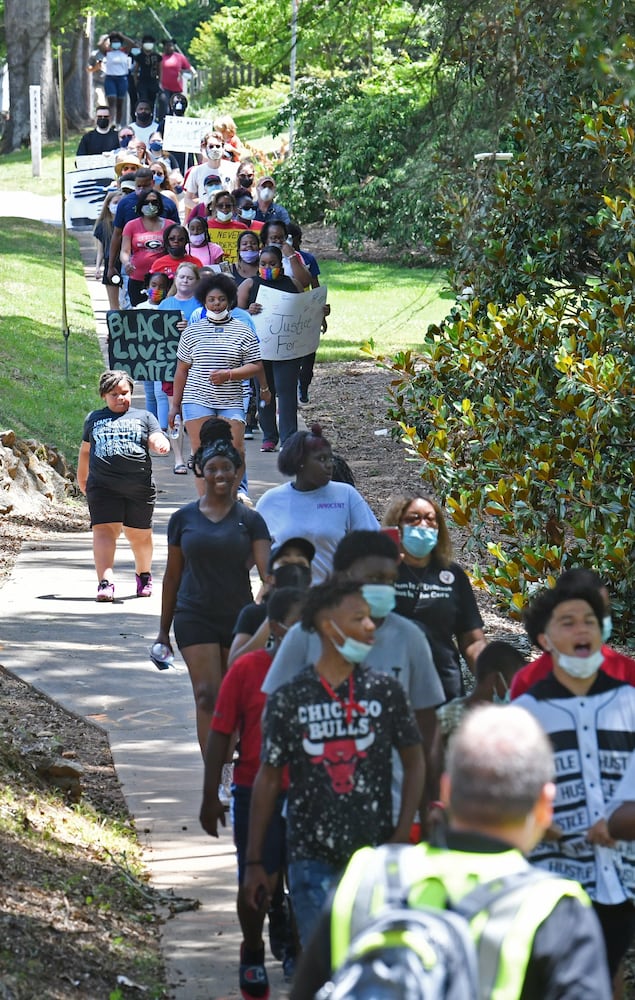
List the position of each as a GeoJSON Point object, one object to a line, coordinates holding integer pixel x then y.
{"type": "Point", "coordinates": [384, 884]}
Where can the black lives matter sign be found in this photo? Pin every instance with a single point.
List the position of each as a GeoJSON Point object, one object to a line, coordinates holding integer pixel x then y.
{"type": "Point", "coordinates": [143, 342]}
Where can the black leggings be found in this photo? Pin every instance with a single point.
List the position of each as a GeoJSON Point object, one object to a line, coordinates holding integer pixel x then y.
{"type": "Point", "coordinates": [618, 929]}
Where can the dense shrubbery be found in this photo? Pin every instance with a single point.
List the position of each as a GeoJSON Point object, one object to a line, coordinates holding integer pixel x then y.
{"type": "Point", "coordinates": [523, 411]}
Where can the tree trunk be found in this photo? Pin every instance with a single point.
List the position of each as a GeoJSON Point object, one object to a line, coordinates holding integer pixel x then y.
{"type": "Point", "coordinates": [76, 80]}
{"type": "Point", "coordinates": [30, 62]}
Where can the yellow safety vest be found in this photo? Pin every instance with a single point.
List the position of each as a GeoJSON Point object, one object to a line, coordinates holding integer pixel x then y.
{"type": "Point", "coordinates": [435, 877]}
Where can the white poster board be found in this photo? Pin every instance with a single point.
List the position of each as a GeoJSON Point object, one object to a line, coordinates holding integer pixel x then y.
{"type": "Point", "coordinates": [85, 193]}
{"type": "Point", "coordinates": [289, 325]}
{"type": "Point", "coordinates": [184, 135]}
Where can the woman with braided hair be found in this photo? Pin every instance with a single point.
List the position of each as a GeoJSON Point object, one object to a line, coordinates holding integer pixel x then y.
{"type": "Point", "coordinates": [212, 544]}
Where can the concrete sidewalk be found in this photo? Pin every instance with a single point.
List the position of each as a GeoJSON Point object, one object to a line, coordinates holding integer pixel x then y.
{"type": "Point", "coordinates": [93, 659]}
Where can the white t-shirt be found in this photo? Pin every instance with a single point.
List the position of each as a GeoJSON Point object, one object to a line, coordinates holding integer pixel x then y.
{"type": "Point", "coordinates": [322, 516]}
{"type": "Point", "coordinates": [117, 62]}
{"type": "Point", "coordinates": [143, 132]}
{"type": "Point", "coordinates": [195, 182]}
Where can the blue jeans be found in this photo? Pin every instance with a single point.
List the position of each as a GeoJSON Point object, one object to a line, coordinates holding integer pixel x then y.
{"type": "Point", "coordinates": [282, 378]}
{"type": "Point", "coordinates": [310, 882]}
{"type": "Point", "coordinates": [163, 404]}
{"type": "Point", "coordinates": [151, 399]}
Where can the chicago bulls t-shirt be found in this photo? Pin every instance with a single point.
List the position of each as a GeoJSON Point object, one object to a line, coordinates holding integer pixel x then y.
{"type": "Point", "coordinates": [339, 773]}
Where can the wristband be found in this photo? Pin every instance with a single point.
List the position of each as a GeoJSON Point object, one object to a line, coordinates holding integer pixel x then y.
{"type": "Point", "coordinates": [246, 864]}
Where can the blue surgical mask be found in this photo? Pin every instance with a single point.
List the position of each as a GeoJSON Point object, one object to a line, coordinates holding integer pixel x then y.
{"type": "Point", "coordinates": [155, 146]}
{"type": "Point", "coordinates": [419, 541]}
{"type": "Point", "coordinates": [380, 598]}
{"type": "Point", "coordinates": [607, 628]}
{"type": "Point", "coordinates": [506, 698]}
{"type": "Point", "coordinates": [115, 45]}
{"type": "Point", "coordinates": [351, 649]}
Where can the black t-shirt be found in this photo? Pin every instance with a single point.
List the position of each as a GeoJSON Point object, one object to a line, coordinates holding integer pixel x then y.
{"type": "Point", "coordinates": [250, 619]}
{"type": "Point", "coordinates": [149, 66]}
{"type": "Point", "coordinates": [94, 143]}
{"type": "Point", "coordinates": [119, 457]}
{"type": "Point", "coordinates": [340, 772]}
{"type": "Point", "coordinates": [217, 557]}
{"type": "Point", "coordinates": [441, 601]}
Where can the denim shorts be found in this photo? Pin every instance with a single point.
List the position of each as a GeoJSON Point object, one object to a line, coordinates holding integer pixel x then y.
{"type": "Point", "coordinates": [195, 411]}
{"type": "Point", "coordinates": [116, 86]}
{"type": "Point", "coordinates": [310, 882]}
{"type": "Point", "coordinates": [274, 845]}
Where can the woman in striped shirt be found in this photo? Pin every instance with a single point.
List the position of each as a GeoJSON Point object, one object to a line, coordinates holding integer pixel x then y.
{"type": "Point", "coordinates": [214, 356]}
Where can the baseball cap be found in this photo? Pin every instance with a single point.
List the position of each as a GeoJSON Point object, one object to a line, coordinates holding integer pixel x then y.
{"type": "Point", "coordinates": [266, 180]}
{"type": "Point", "coordinates": [127, 184]}
{"type": "Point", "coordinates": [303, 544]}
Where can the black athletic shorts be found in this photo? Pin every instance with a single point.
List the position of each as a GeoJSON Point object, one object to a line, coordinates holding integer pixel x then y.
{"type": "Point", "coordinates": [108, 507]}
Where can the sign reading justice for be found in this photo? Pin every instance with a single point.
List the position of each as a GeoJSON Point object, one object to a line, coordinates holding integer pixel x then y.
{"type": "Point", "coordinates": [143, 342]}
{"type": "Point", "coordinates": [289, 325]}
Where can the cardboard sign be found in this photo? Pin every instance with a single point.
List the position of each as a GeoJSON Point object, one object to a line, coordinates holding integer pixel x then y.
{"type": "Point", "coordinates": [289, 325]}
{"type": "Point", "coordinates": [143, 342]}
{"type": "Point", "coordinates": [184, 135]}
{"type": "Point", "coordinates": [85, 193]}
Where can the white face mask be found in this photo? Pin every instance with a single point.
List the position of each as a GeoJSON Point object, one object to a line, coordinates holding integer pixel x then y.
{"type": "Point", "coordinates": [265, 194]}
{"type": "Point", "coordinates": [581, 667]}
{"type": "Point", "coordinates": [224, 216]}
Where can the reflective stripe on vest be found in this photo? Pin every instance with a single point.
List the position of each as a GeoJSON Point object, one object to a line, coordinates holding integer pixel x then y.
{"type": "Point", "coordinates": [434, 876]}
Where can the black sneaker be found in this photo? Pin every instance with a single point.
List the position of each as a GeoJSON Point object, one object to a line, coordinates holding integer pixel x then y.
{"type": "Point", "coordinates": [278, 928]}
{"type": "Point", "coordinates": [303, 395]}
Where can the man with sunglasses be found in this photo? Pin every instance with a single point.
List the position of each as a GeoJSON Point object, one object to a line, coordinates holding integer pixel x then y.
{"type": "Point", "coordinates": [214, 163]}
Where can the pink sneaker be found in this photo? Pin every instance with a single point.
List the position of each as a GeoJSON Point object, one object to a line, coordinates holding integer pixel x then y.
{"type": "Point", "coordinates": [144, 584]}
{"type": "Point", "coordinates": [105, 592]}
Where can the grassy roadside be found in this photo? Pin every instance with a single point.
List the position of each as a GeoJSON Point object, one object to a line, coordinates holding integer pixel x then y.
{"type": "Point", "coordinates": [390, 304]}
{"type": "Point", "coordinates": [36, 398]}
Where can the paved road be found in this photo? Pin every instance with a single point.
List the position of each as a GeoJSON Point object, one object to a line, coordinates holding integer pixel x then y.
{"type": "Point", "coordinates": [93, 659]}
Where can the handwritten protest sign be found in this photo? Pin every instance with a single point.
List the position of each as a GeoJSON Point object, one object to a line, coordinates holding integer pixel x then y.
{"type": "Point", "coordinates": [227, 239]}
{"type": "Point", "coordinates": [143, 342]}
{"type": "Point", "coordinates": [289, 325]}
{"type": "Point", "coordinates": [184, 135]}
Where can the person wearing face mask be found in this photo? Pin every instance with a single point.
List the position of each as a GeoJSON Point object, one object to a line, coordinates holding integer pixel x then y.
{"type": "Point", "coordinates": [103, 235]}
{"type": "Point", "coordinates": [157, 154]}
{"type": "Point", "coordinates": [494, 670]}
{"type": "Point", "coordinates": [400, 649]}
{"type": "Point", "coordinates": [201, 246]}
{"type": "Point", "coordinates": [615, 664]}
{"type": "Point", "coordinates": [142, 242]}
{"type": "Point", "coordinates": [276, 234]}
{"type": "Point", "coordinates": [127, 210]}
{"type": "Point", "coordinates": [147, 69]}
{"type": "Point", "coordinates": [248, 254]}
{"type": "Point", "coordinates": [101, 139]}
{"type": "Point", "coordinates": [239, 708]}
{"type": "Point", "coordinates": [212, 150]}
{"type": "Point", "coordinates": [433, 590]}
{"type": "Point", "coordinates": [175, 243]}
{"type": "Point", "coordinates": [335, 727]}
{"type": "Point", "coordinates": [590, 719]}
{"type": "Point", "coordinates": [223, 225]}
{"type": "Point", "coordinates": [289, 566]}
{"type": "Point", "coordinates": [267, 208]}
{"type": "Point", "coordinates": [143, 124]}
{"type": "Point", "coordinates": [116, 65]}
{"type": "Point", "coordinates": [246, 210]}
{"type": "Point", "coordinates": [161, 181]}
{"type": "Point", "coordinates": [246, 175]}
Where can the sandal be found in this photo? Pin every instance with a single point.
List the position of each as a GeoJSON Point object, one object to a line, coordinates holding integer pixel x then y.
{"type": "Point", "coordinates": [180, 470]}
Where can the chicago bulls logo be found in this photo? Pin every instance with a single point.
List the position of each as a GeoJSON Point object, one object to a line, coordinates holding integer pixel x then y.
{"type": "Point", "coordinates": [339, 758]}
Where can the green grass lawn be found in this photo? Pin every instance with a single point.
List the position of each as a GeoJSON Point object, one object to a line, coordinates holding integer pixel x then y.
{"type": "Point", "coordinates": [16, 173]}
{"type": "Point", "coordinates": [390, 304]}
{"type": "Point", "coordinates": [36, 398]}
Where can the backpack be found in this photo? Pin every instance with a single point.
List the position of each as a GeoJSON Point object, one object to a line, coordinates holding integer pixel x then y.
{"type": "Point", "coordinates": [404, 953]}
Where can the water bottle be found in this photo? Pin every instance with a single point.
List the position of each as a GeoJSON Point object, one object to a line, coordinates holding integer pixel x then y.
{"type": "Point", "coordinates": [161, 655]}
{"type": "Point", "coordinates": [174, 433]}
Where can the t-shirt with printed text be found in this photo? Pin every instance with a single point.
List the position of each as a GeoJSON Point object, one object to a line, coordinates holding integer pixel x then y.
{"type": "Point", "coordinates": [339, 772]}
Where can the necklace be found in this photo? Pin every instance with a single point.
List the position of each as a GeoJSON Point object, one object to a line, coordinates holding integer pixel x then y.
{"type": "Point", "coordinates": [349, 706]}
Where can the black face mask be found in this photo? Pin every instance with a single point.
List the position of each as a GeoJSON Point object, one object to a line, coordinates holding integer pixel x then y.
{"type": "Point", "coordinates": [144, 118]}
{"type": "Point", "coordinates": [103, 122]}
{"type": "Point", "coordinates": [245, 182]}
{"type": "Point", "coordinates": [293, 575]}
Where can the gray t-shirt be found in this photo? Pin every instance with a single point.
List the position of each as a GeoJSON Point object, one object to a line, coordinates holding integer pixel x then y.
{"type": "Point", "coordinates": [400, 650]}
